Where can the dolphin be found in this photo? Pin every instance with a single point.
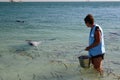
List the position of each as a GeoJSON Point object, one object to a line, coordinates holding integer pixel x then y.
{"type": "Point", "coordinates": [34, 43]}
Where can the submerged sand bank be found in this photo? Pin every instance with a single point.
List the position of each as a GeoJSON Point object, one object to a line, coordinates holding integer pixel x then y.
{"type": "Point", "coordinates": [17, 67]}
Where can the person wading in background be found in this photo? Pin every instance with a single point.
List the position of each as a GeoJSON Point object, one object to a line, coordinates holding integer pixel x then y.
{"type": "Point", "coordinates": [96, 46]}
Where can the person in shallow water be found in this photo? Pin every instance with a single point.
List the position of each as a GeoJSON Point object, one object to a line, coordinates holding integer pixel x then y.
{"type": "Point", "coordinates": [96, 46]}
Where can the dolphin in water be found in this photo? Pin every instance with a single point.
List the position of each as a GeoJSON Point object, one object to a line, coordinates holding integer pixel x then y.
{"type": "Point", "coordinates": [34, 43]}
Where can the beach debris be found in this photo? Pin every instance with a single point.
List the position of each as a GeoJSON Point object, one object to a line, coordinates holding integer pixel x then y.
{"type": "Point", "coordinates": [33, 43]}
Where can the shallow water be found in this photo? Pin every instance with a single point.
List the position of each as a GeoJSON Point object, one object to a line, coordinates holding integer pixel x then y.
{"type": "Point", "coordinates": [61, 29]}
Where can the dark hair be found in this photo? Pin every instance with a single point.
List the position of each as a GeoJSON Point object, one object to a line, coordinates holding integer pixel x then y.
{"type": "Point", "coordinates": [89, 19]}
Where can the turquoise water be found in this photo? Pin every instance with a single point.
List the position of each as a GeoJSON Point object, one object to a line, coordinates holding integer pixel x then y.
{"type": "Point", "coordinates": [61, 29]}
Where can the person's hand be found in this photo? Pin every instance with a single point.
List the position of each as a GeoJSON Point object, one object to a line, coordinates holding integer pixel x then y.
{"type": "Point", "coordinates": [87, 48]}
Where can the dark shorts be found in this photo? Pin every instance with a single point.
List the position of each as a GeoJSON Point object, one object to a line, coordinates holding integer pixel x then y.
{"type": "Point", "coordinates": [101, 55]}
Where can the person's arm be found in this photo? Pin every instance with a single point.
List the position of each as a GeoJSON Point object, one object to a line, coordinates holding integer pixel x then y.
{"type": "Point", "coordinates": [97, 39]}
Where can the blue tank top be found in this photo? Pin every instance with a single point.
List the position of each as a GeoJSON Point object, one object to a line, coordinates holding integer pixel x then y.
{"type": "Point", "coordinates": [100, 48]}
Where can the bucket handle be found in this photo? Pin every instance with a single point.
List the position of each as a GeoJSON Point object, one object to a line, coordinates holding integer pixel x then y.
{"type": "Point", "coordinates": [81, 51]}
{"type": "Point", "coordinates": [77, 55]}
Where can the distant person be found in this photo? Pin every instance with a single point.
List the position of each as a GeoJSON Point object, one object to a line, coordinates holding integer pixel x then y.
{"type": "Point", "coordinates": [96, 46]}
